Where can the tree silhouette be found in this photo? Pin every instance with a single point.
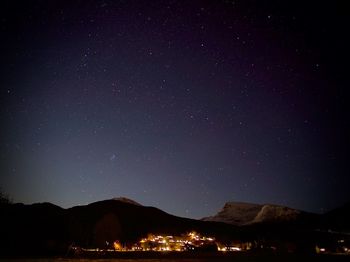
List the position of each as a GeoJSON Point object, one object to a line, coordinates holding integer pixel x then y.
{"type": "Point", "coordinates": [107, 230]}
{"type": "Point", "coordinates": [4, 198]}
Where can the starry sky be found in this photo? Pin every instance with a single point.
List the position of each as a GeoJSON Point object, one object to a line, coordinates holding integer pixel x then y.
{"type": "Point", "coordinates": [182, 105]}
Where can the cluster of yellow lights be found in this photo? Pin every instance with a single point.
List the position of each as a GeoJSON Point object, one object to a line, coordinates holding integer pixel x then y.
{"type": "Point", "coordinates": [224, 249]}
{"type": "Point", "coordinates": [186, 242]}
{"type": "Point", "coordinates": [173, 243]}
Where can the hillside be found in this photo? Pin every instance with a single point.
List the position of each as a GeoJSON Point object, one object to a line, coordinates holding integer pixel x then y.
{"type": "Point", "coordinates": [45, 229]}
{"type": "Point", "coordinates": [239, 213]}
{"type": "Point", "coordinates": [48, 229]}
{"type": "Point", "coordinates": [337, 219]}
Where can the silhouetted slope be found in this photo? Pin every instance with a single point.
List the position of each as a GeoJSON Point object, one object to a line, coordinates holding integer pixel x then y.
{"type": "Point", "coordinates": [45, 229]}
{"type": "Point", "coordinates": [41, 229]}
{"type": "Point", "coordinates": [32, 229]}
{"type": "Point", "coordinates": [337, 219]}
{"type": "Point", "coordinates": [131, 222]}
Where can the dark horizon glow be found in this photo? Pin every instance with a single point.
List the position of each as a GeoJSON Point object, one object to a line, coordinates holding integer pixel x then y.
{"type": "Point", "coordinates": [182, 105]}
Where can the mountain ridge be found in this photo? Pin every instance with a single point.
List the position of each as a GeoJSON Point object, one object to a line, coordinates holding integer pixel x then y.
{"type": "Point", "coordinates": [126, 200]}
{"type": "Point", "coordinates": [244, 213]}
{"type": "Point", "coordinates": [46, 228]}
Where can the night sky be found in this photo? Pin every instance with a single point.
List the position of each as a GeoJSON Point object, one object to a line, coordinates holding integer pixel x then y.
{"type": "Point", "coordinates": [182, 105]}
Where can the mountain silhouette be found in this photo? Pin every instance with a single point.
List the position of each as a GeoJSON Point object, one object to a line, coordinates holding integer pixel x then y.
{"type": "Point", "coordinates": [45, 229]}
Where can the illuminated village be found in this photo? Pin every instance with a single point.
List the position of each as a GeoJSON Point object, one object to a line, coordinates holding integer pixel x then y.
{"type": "Point", "coordinates": [194, 241]}
{"type": "Point", "coordinates": [188, 242]}
{"type": "Point", "coordinates": [165, 243]}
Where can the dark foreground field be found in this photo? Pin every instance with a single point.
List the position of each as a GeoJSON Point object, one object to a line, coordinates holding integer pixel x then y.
{"type": "Point", "coordinates": [238, 257]}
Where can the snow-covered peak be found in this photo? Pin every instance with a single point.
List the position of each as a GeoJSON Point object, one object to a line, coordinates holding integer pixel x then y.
{"type": "Point", "coordinates": [240, 213]}
{"type": "Point", "coordinates": [276, 213]}
{"type": "Point", "coordinates": [236, 213]}
{"type": "Point", "coordinates": [127, 200]}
